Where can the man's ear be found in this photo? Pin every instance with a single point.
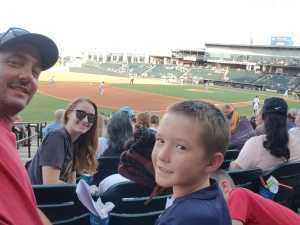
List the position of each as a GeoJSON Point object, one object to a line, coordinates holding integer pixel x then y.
{"type": "Point", "coordinates": [215, 162]}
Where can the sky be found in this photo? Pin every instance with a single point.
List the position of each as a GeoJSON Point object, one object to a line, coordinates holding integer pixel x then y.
{"type": "Point", "coordinates": [152, 26]}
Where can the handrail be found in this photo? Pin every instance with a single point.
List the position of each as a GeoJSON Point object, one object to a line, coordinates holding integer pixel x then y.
{"type": "Point", "coordinates": [28, 130]}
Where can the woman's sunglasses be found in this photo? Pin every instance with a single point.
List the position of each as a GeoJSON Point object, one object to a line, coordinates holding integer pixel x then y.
{"type": "Point", "coordinates": [80, 115]}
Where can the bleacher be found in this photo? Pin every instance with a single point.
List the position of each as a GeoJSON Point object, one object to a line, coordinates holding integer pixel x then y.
{"type": "Point", "coordinates": [205, 73]}
{"type": "Point", "coordinates": [107, 69]}
{"type": "Point", "coordinates": [137, 69]}
{"type": "Point", "coordinates": [165, 70]}
{"type": "Point", "coordinates": [278, 81]}
{"type": "Point", "coordinates": [242, 76]}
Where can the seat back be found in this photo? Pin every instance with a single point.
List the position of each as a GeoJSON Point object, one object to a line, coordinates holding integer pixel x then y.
{"type": "Point", "coordinates": [107, 165]}
{"type": "Point", "coordinates": [288, 174]}
{"type": "Point", "coordinates": [246, 178]}
{"type": "Point", "coordinates": [60, 204]}
{"type": "Point", "coordinates": [129, 199]}
{"type": "Point", "coordinates": [229, 156]}
{"type": "Point", "coordinates": [54, 193]}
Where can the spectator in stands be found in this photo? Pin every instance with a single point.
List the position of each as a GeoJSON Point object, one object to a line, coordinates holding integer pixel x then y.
{"type": "Point", "coordinates": [240, 128]}
{"type": "Point", "coordinates": [297, 119]}
{"type": "Point", "coordinates": [259, 129]}
{"type": "Point", "coordinates": [295, 131]}
{"type": "Point", "coordinates": [143, 120]}
{"type": "Point", "coordinates": [119, 131]}
{"type": "Point", "coordinates": [102, 140]}
{"type": "Point", "coordinates": [127, 110]}
{"type": "Point", "coordinates": [291, 118]}
{"type": "Point", "coordinates": [252, 121]}
{"type": "Point", "coordinates": [232, 116]}
{"type": "Point", "coordinates": [190, 144]}
{"type": "Point", "coordinates": [135, 161]}
{"type": "Point", "coordinates": [70, 150]}
{"type": "Point", "coordinates": [56, 124]}
{"type": "Point", "coordinates": [154, 122]}
{"type": "Point", "coordinates": [247, 208]}
{"type": "Point", "coordinates": [23, 55]}
{"type": "Point", "coordinates": [273, 148]}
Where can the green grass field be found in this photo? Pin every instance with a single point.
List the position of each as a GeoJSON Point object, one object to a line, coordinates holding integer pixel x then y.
{"type": "Point", "coordinates": [215, 93]}
{"type": "Point", "coordinates": [41, 107]}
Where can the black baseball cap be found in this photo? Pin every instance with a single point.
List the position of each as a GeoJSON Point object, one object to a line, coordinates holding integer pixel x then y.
{"type": "Point", "coordinates": [46, 47]}
{"type": "Point", "coordinates": [275, 105]}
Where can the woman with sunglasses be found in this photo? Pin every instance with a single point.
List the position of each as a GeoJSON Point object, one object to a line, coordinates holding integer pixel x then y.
{"type": "Point", "coordinates": [69, 150]}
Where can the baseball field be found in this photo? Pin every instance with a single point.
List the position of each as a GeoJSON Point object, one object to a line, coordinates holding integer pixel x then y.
{"type": "Point", "coordinates": [151, 95]}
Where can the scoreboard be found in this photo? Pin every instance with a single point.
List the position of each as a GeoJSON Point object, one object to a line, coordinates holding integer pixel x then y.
{"type": "Point", "coordinates": [282, 41]}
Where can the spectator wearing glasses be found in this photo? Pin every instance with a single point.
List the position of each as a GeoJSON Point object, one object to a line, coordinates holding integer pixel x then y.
{"type": "Point", "coordinates": [23, 55]}
{"type": "Point", "coordinates": [69, 150]}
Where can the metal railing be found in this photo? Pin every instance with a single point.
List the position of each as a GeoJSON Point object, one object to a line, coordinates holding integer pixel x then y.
{"type": "Point", "coordinates": [30, 130]}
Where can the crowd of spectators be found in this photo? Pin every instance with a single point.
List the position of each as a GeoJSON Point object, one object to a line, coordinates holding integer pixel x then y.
{"type": "Point", "coordinates": [179, 153]}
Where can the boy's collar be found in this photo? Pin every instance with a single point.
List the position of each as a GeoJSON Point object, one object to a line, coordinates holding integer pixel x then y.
{"type": "Point", "coordinates": [207, 193]}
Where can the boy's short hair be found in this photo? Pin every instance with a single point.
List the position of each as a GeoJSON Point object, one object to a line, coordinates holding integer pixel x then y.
{"type": "Point", "coordinates": [214, 132]}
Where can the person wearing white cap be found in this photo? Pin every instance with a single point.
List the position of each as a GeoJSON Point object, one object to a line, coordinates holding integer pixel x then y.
{"type": "Point", "coordinates": [23, 55]}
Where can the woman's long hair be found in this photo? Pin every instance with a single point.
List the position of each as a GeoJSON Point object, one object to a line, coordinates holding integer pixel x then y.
{"type": "Point", "coordinates": [275, 123]}
{"type": "Point", "coordinates": [86, 145]}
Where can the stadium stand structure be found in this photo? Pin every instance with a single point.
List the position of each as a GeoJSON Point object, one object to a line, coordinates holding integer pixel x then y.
{"type": "Point", "coordinates": [205, 73]}
{"type": "Point", "coordinates": [243, 76]}
{"type": "Point", "coordinates": [166, 70]}
{"type": "Point", "coordinates": [243, 66]}
{"type": "Point", "coordinates": [278, 82]}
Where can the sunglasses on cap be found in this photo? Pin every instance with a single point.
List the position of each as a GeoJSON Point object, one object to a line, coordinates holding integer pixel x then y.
{"type": "Point", "coordinates": [12, 33]}
{"type": "Point", "coordinates": [80, 115]}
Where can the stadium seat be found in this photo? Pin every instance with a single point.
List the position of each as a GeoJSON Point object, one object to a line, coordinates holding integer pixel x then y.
{"type": "Point", "coordinates": [288, 174]}
{"type": "Point", "coordinates": [54, 193]}
{"type": "Point", "coordinates": [230, 155]}
{"type": "Point", "coordinates": [246, 178]}
{"type": "Point", "coordinates": [107, 165]}
{"type": "Point", "coordinates": [60, 204]}
{"type": "Point", "coordinates": [129, 199]}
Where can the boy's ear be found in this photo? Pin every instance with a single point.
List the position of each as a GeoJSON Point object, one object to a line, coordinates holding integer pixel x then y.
{"type": "Point", "coordinates": [215, 162]}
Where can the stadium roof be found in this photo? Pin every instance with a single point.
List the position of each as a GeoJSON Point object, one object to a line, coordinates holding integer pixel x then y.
{"type": "Point", "coordinates": [253, 46]}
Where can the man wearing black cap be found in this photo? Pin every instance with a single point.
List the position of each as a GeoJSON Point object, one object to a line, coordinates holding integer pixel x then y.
{"type": "Point", "coordinates": [23, 55]}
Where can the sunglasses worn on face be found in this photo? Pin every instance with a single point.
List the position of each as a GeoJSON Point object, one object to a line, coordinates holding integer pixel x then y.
{"type": "Point", "coordinates": [80, 115]}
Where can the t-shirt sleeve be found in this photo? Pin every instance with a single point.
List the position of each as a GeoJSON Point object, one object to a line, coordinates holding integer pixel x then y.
{"type": "Point", "coordinates": [248, 154]}
{"type": "Point", "coordinates": [238, 205]}
{"type": "Point", "coordinates": [52, 152]}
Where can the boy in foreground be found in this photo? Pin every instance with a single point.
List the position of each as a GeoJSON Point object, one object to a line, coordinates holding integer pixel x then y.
{"type": "Point", "coordinates": [190, 144]}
